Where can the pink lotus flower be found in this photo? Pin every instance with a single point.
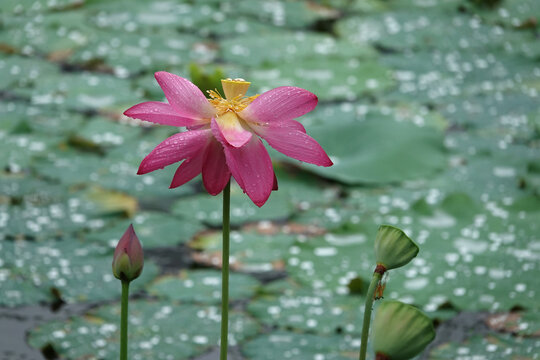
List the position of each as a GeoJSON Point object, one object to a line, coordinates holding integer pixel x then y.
{"type": "Point", "coordinates": [223, 133]}
{"type": "Point", "coordinates": [128, 260]}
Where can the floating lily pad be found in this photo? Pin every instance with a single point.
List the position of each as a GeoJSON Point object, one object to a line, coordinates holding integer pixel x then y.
{"type": "Point", "coordinates": [284, 13]}
{"type": "Point", "coordinates": [109, 202]}
{"type": "Point", "coordinates": [282, 345]}
{"type": "Point", "coordinates": [130, 53]}
{"type": "Point", "coordinates": [158, 330]}
{"type": "Point", "coordinates": [512, 13]}
{"type": "Point", "coordinates": [420, 29]}
{"type": "Point", "coordinates": [118, 173]}
{"type": "Point", "coordinates": [69, 166]}
{"type": "Point", "coordinates": [20, 72]}
{"type": "Point", "coordinates": [331, 217]}
{"type": "Point", "coordinates": [107, 133]}
{"type": "Point", "coordinates": [203, 287]}
{"type": "Point", "coordinates": [442, 5]}
{"type": "Point", "coordinates": [331, 262]}
{"type": "Point", "coordinates": [249, 251]}
{"type": "Point", "coordinates": [311, 311]}
{"type": "Point", "coordinates": [85, 91]}
{"type": "Point", "coordinates": [43, 218]}
{"type": "Point", "coordinates": [121, 172]}
{"type": "Point", "coordinates": [497, 118]}
{"type": "Point", "coordinates": [497, 175]}
{"type": "Point", "coordinates": [78, 271]}
{"type": "Point", "coordinates": [39, 119]}
{"type": "Point", "coordinates": [223, 26]}
{"type": "Point", "coordinates": [382, 151]}
{"type": "Point", "coordinates": [138, 15]}
{"type": "Point", "coordinates": [470, 260]}
{"type": "Point", "coordinates": [521, 323]}
{"type": "Point", "coordinates": [19, 149]}
{"type": "Point", "coordinates": [23, 188]}
{"type": "Point", "coordinates": [208, 209]}
{"type": "Point", "coordinates": [54, 34]}
{"type": "Point", "coordinates": [363, 6]}
{"type": "Point", "coordinates": [492, 347]}
{"type": "Point", "coordinates": [350, 112]}
{"type": "Point", "coordinates": [470, 251]}
{"type": "Point", "coordinates": [155, 229]}
{"type": "Point", "coordinates": [18, 7]}
{"type": "Point", "coordinates": [459, 79]}
{"type": "Point", "coordinates": [303, 190]}
{"type": "Point", "coordinates": [332, 79]}
{"type": "Point", "coordinates": [300, 46]}
{"type": "Point", "coordinates": [429, 109]}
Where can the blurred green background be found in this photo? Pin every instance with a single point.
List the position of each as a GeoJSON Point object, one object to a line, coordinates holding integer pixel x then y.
{"type": "Point", "coordinates": [429, 110]}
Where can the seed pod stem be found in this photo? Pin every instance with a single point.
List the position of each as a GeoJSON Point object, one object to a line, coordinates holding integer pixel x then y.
{"type": "Point", "coordinates": [367, 311]}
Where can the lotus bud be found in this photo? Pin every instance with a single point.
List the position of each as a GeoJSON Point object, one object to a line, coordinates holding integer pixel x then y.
{"type": "Point", "coordinates": [400, 331]}
{"type": "Point", "coordinates": [128, 258]}
{"type": "Point", "coordinates": [393, 248]}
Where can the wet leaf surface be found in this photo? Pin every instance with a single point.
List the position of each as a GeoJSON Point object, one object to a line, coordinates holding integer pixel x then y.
{"type": "Point", "coordinates": [208, 209]}
{"type": "Point", "coordinates": [251, 251]}
{"type": "Point", "coordinates": [76, 271]}
{"type": "Point", "coordinates": [202, 287]}
{"type": "Point", "coordinates": [173, 332]}
{"type": "Point", "coordinates": [301, 346]}
{"type": "Point", "coordinates": [385, 151]}
{"type": "Point", "coordinates": [429, 110]}
{"type": "Point", "coordinates": [309, 311]}
{"type": "Point", "coordinates": [492, 347]}
{"type": "Point", "coordinates": [154, 229]}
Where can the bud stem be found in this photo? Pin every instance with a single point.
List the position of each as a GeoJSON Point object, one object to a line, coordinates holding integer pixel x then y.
{"type": "Point", "coordinates": [225, 273]}
{"type": "Point", "coordinates": [367, 313]}
{"type": "Point", "coordinates": [124, 321]}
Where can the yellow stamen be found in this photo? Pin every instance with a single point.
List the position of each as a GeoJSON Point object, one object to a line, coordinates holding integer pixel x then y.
{"type": "Point", "coordinates": [236, 103]}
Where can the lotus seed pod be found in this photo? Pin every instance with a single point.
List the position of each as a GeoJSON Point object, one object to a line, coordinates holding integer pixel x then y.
{"type": "Point", "coordinates": [128, 258]}
{"type": "Point", "coordinates": [393, 248]}
{"type": "Point", "coordinates": [400, 331]}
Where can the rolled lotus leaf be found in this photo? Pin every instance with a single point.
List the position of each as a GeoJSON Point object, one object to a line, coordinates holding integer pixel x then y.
{"type": "Point", "coordinates": [393, 248]}
{"type": "Point", "coordinates": [400, 331]}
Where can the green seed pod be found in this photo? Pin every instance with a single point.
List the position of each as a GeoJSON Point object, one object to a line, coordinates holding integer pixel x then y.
{"type": "Point", "coordinates": [400, 331]}
{"type": "Point", "coordinates": [393, 248]}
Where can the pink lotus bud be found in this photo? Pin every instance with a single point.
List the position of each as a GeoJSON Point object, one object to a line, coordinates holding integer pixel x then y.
{"type": "Point", "coordinates": [128, 258]}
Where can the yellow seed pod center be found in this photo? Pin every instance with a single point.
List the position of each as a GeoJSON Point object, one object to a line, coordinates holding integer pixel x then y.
{"type": "Point", "coordinates": [234, 100]}
{"type": "Point", "coordinates": [234, 88]}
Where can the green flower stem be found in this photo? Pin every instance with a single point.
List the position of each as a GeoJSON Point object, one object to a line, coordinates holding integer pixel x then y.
{"type": "Point", "coordinates": [225, 272]}
{"type": "Point", "coordinates": [124, 321]}
{"type": "Point", "coordinates": [367, 313]}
